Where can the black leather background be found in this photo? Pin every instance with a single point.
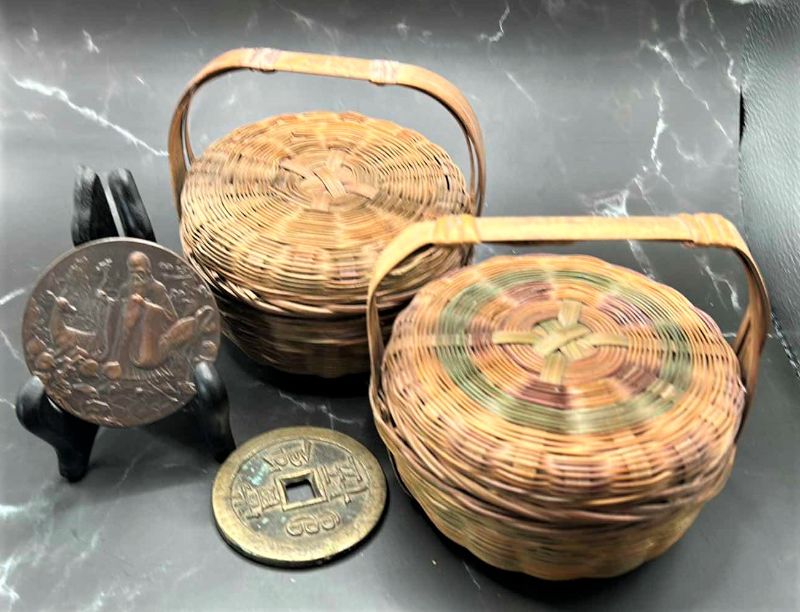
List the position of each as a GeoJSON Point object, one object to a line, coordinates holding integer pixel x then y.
{"type": "Point", "coordinates": [770, 157]}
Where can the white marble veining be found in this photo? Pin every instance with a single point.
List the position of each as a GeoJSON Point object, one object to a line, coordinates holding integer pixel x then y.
{"type": "Point", "coordinates": [322, 408]}
{"type": "Point", "coordinates": [498, 35]}
{"type": "Point", "coordinates": [402, 28]}
{"type": "Point", "coordinates": [723, 43]}
{"type": "Point", "coordinates": [11, 295]}
{"type": "Point", "coordinates": [661, 125]}
{"type": "Point", "coordinates": [62, 96]}
{"type": "Point", "coordinates": [183, 19]}
{"type": "Point", "coordinates": [526, 94]}
{"type": "Point", "coordinates": [723, 285]}
{"type": "Point", "coordinates": [90, 46]}
{"type": "Point", "coordinates": [311, 26]}
{"type": "Point", "coordinates": [12, 349]}
{"type": "Point", "coordinates": [37, 516]}
{"type": "Point", "coordinates": [472, 576]}
{"type": "Point", "coordinates": [660, 49]}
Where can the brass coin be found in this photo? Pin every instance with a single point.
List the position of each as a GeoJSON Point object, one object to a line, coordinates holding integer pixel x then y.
{"type": "Point", "coordinates": [114, 329]}
{"type": "Point", "coordinates": [298, 496]}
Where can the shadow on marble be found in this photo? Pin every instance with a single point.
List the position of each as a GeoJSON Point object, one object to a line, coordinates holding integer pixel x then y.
{"type": "Point", "coordinates": [354, 385]}
{"type": "Point", "coordinates": [162, 455]}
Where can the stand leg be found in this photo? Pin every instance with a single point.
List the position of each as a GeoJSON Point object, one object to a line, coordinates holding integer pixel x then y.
{"type": "Point", "coordinates": [91, 214]}
{"type": "Point", "coordinates": [71, 437]}
{"type": "Point", "coordinates": [132, 213]}
{"type": "Point", "coordinates": [212, 411]}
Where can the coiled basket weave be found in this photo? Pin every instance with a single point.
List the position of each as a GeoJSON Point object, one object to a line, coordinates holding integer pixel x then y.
{"type": "Point", "coordinates": [559, 415]}
{"type": "Point", "coordinates": [284, 217]}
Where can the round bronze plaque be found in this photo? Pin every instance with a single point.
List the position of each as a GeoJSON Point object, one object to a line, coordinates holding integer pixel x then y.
{"type": "Point", "coordinates": [298, 496]}
{"type": "Point", "coordinates": [114, 329]}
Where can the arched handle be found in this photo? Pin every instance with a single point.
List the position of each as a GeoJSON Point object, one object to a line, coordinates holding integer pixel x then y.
{"type": "Point", "coordinates": [380, 72]}
{"type": "Point", "coordinates": [702, 230]}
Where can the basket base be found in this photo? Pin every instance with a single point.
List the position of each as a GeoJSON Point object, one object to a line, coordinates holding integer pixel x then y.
{"type": "Point", "coordinates": [324, 361]}
{"type": "Point", "coordinates": [324, 348]}
{"type": "Point", "coordinates": [551, 557]}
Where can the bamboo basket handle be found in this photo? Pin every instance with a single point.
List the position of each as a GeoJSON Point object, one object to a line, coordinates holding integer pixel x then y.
{"type": "Point", "coordinates": [701, 230]}
{"type": "Point", "coordinates": [380, 72]}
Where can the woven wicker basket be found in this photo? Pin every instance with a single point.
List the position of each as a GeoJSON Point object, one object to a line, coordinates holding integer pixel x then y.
{"type": "Point", "coordinates": [284, 218]}
{"type": "Point", "coordinates": [559, 415]}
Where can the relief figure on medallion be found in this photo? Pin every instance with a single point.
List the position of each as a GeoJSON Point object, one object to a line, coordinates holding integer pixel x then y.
{"type": "Point", "coordinates": [141, 327]}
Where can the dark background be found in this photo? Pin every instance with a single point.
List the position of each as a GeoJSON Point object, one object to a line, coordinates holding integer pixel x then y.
{"type": "Point", "coordinates": [770, 158]}
{"type": "Point", "coordinates": [603, 108]}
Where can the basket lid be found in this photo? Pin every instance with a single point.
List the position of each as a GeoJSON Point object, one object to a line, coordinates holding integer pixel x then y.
{"type": "Point", "coordinates": [521, 373]}
{"type": "Point", "coordinates": [290, 213]}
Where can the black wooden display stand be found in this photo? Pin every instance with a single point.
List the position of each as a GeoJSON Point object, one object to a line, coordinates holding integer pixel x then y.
{"type": "Point", "coordinates": [71, 437]}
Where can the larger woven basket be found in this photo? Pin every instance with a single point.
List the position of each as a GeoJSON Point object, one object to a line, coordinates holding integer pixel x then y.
{"type": "Point", "coordinates": [284, 217]}
{"type": "Point", "coordinates": [559, 415]}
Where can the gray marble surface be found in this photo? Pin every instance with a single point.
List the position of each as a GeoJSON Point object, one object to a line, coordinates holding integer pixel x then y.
{"type": "Point", "coordinates": [606, 108]}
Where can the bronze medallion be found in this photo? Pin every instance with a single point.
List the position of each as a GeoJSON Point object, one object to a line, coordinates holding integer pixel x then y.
{"type": "Point", "coordinates": [298, 496]}
{"type": "Point", "coordinates": [114, 329]}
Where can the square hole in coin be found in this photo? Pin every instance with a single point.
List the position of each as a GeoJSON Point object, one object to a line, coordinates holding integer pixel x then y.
{"type": "Point", "coordinates": [300, 490]}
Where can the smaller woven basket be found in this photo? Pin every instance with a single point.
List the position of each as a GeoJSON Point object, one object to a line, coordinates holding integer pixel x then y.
{"type": "Point", "coordinates": [285, 217]}
{"type": "Point", "coordinates": [559, 415]}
